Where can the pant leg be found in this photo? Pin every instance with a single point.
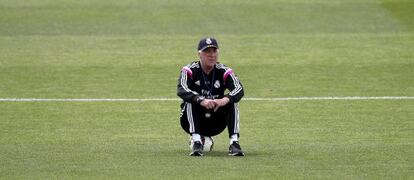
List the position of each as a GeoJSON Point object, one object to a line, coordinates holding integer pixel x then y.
{"type": "Point", "coordinates": [190, 118]}
{"type": "Point", "coordinates": [229, 117]}
{"type": "Point", "coordinates": [195, 120]}
{"type": "Point", "coordinates": [233, 119]}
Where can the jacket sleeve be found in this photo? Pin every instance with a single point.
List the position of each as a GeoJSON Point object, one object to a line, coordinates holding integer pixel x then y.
{"type": "Point", "coordinates": [183, 90]}
{"type": "Point", "coordinates": [234, 86]}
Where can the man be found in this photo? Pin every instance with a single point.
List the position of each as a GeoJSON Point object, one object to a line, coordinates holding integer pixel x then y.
{"type": "Point", "coordinates": [206, 111]}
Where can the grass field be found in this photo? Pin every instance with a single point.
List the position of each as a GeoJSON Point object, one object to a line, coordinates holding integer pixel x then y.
{"type": "Point", "coordinates": [135, 49]}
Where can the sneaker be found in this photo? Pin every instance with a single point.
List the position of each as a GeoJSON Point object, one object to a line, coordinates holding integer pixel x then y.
{"type": "Point", "coordinates": [235, 149]}
{"type": "Point", "coordinates": [197, 149]}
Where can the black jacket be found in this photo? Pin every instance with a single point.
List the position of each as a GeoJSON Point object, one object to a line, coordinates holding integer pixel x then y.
{"type": "Point", "coordinates": [194, 83]}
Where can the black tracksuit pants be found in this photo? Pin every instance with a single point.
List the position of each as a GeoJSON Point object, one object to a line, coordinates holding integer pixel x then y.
{"type": "Point", "coordinates": [194, 120]}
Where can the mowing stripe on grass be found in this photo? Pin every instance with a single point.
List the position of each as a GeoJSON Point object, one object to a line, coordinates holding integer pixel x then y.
{"type": "Point", "coordinates": [176, 99]}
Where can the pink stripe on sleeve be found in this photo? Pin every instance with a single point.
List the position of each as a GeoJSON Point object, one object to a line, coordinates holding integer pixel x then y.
{"type": "Point", "coordinates": [226, 74]}
{"type": "Point", "coordinates": [188, 70]}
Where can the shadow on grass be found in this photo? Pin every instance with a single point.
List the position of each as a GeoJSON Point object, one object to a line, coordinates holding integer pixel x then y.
{"type": "Point", "coordinates": [222, 154]}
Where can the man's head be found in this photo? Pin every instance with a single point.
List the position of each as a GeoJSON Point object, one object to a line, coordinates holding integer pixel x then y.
{"type": "Point", "coordinates": [208, 51]}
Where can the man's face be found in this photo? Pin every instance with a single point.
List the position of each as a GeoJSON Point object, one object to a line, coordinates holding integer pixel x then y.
{"type": "Point", "coordinates": [209, 56]}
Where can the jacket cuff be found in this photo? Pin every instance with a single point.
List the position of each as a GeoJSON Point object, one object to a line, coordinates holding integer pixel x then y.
{"type": "Point", "coordinates": [230, 98]}
{"type": "Point", "coordinates": [197, 99]}
{"type": "Point", "coordinates": [194, 99]}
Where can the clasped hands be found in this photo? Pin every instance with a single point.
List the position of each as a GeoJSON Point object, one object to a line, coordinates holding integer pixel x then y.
{"type": "Point", "coordinates": [214, 103]}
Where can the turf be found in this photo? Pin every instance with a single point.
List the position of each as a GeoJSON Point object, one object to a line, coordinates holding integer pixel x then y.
{"type": "Point", "coordinates": [135, 49]}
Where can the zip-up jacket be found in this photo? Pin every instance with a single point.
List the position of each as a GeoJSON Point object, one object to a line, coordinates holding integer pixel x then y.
{"type": "Point", "coordinates": [193, 83]}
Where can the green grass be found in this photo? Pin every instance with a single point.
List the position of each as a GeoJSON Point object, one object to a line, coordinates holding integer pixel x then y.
{"type": "Point", "coordinates": [135, 49]}
{"type": "Point", "coordinates": [347, 139]}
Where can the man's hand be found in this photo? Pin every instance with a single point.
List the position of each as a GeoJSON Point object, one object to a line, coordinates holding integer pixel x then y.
{"type": "Point", "coordinates": [208, 104]}
{"type": "Point", "coordinates": [220, 102]}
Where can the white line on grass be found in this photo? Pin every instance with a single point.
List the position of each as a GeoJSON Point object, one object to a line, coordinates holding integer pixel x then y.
{"type": "Point", "coordinates": [332, 98]}
{"type": "Point", "coordinates": [177, 99]}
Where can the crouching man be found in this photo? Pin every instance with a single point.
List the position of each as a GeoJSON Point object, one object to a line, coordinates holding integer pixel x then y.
{"type": "Point", "coordinates": [206, 111]}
